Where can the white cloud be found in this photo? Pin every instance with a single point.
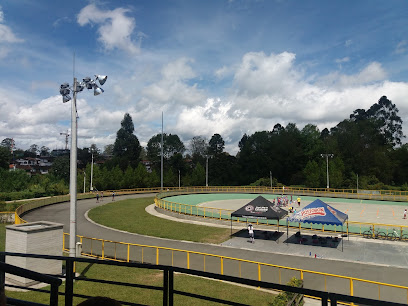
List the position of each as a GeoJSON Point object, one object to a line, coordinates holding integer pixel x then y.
{"type": "Point", "coordinates": [115, 29]}
{"type": "Point", "coordinates": [343, 60]}
{"type": "Point", "coordinates": [370, 74]}
{"type": "Point", "coordinates": [172, 88]}
{"type": "Point", "coordinates": [401, 47]}
{"type": "Point", "coordinates": [6, 34]}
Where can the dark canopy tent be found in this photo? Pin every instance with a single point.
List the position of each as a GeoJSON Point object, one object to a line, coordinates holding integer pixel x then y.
{"type": "Point", "coordinates": [259, 208]}
{"type": "Point", "coordinates": [318, 212]}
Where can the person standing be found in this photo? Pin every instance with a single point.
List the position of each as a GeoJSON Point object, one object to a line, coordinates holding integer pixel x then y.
{"type": "Point", "coordinates": [113, 196]}
{"type": "Point", "coordinates": [405, 214]}
{"type": "Point", "coordinates": [97, 197]}
{"type": "Point", "coordinates": [251, 233]}
{"type": "Point", "coordinates": [298, 200]}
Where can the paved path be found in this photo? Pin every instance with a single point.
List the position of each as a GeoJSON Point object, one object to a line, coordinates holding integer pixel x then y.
{"type": "Point", "coordinates": [373, 260]}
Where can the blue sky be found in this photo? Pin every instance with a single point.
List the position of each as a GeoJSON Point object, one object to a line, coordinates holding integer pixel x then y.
{"type": "Point", "coordinates": [227, 67]}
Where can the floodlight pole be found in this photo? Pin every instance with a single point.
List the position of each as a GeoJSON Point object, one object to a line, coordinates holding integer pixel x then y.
{"type": "Point", "coordinates": [91, 187]}
{"type": "Point", "coordinates": [206, 171]}
{"type": "Point", "coordinates": [73, 176]}
{"type": "Point", "coordinates": [161, 159]}
{"type": "Point", "coordinates": [327, 166]}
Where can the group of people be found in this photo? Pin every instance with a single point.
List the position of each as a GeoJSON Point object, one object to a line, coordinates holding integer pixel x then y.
{"type": "Point", "coordinates": [284, 201]}
{"type": "Point", "coordinates": [101, 197]}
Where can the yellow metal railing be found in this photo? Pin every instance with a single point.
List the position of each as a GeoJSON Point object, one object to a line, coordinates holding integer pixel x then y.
{"type": "Point", "coordinates": [121, 251]}
{"type": "Point", "coordinates": [382, 195]}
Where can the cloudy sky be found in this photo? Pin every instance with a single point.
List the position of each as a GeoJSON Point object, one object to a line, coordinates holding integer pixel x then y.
{"type": "Point", "coordinates": [216, 66]}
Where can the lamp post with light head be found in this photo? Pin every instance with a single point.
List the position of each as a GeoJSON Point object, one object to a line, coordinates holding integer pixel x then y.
{"type": "Point", "coordinates": [65, 91]}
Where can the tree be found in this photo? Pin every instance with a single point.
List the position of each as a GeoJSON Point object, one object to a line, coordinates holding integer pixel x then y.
{"type": "Point", "coordinates": [34, 149]}
{"type": "Point", "coordinates": [60, 168]}
{"type": "Point", "coordinates": [45, 151]}
{"type": "Point", "coordinates": [198, 146]}
{"type": "Point", "coordinates": [4, 157]}
{"type": "Point", "coordinates": [171, 145]}
{"type": "Point", "coordinates": [198, 176]}
{"type": "Point", "coordinates": [384, 115]}
{"type": "Point", "coordinates": [8, 143]}
{"type": "Point", "coordinates": [108, 149]}
{"type": "Point", "coordinates": [216, 145]}
{"type": "Point", "coordinates": [127, 148]}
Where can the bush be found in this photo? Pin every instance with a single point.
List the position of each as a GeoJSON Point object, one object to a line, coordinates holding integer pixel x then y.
{"type": "Point", "coordinates": [283, 298]}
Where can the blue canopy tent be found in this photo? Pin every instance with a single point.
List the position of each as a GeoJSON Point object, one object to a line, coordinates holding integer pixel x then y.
{"type": "Point", "coordinates": [318, 212]}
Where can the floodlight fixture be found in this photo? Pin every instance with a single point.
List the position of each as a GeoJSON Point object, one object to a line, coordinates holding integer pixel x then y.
{"type": "Point", "coordinates": [66, 98]}
{"type": "Point", "coordinates": [80, 87]}
{"type": "Point", "coordinates": [97, 90]}
{"type": "Point", "coordinates": [101, 78]}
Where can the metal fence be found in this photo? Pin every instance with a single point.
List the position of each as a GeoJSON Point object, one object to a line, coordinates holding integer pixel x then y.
{"type": "Point", "coordinates": [224, 265]}
{"type": "Point", "coordinates": [168, 281]}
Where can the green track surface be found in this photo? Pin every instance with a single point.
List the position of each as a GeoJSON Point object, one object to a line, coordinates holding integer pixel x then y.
{"type": "Point", "coordinates": [195, 199]}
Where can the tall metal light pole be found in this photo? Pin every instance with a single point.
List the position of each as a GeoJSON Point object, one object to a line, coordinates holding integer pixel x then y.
{"type": "Point", "coordinates": [179, 180]}
{"type": "Point", "coordinates": [65, 90]}
{"type": "Point", "coordinates": [91, 187]}
{"type": "Point", "coordinates": [161, 159]}
{"type": "Point", "coordinates": [327, 166]}
{"type": "Point", "coordinates": [206, 171]}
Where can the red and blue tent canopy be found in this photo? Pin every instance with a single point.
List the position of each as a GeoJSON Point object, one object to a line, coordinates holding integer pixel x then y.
{"type": "Point", "coordinates": [319, 212]}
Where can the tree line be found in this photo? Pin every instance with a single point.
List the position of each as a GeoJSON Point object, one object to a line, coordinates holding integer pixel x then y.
{"type": "Point", "coordinates": [366, 148]}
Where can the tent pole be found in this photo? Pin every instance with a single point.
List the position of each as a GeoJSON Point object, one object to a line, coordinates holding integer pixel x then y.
{"type": "Point", "coordinates": [231, 227]}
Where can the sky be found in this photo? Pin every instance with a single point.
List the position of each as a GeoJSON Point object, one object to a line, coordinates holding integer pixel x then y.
{"type": "Point", "coordinates": [217, 66]}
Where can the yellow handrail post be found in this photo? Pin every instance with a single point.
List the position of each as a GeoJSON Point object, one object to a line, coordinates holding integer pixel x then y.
{"type": "Point", "coordinates": [128, 252]}
{"type": "Point", "coordinates": [204, 262]}
{"type": "Point", "coordinates": [351, 287]}
{"type": "Point", "coordinates": [103, 249]}
{"type": "Point", "coordinates": [188, 260]}
{"type": "Point", "coordinates": [259, 272]}
{"type": "Point", "coordinates": [157, 256]}
{"type": "Point", "coordinates": [222, 265]}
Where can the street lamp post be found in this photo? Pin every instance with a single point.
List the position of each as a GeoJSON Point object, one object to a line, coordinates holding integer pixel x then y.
{"type": "Point", "coordinates": [206, 170]}
{"type": "Point", "coordinates": [179, 180]}
{"type": "Point", "coordinates": [327, 166]}
{"type": "Point", "coordinates": [65, 91]}
{"type": "Point", "coordinates": [91, 187]}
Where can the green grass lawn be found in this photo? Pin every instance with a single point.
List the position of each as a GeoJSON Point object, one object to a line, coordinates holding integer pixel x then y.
{"type": "Point", "coordinates": [130, 215]}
